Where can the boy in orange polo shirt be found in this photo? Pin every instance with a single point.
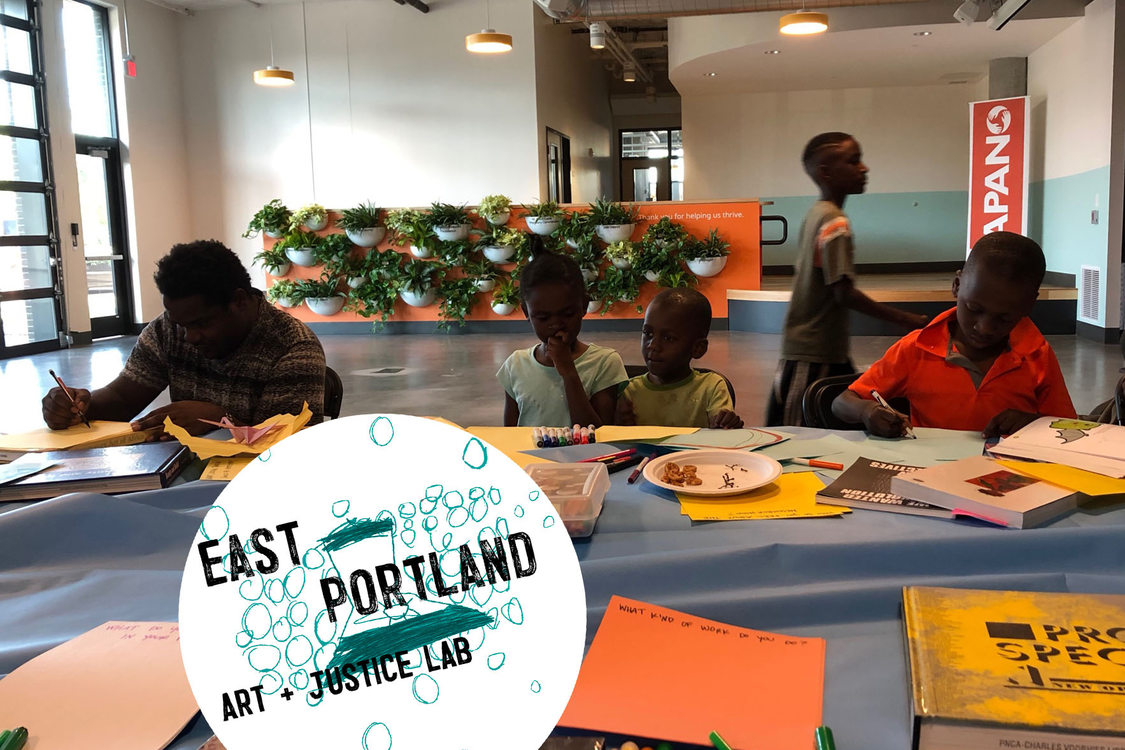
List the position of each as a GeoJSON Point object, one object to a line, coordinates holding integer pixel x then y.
{"type": "Point", "coordinates": [980, 366]}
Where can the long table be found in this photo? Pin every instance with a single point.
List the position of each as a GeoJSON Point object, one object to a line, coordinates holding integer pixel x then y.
{"type": "Point", "coordinates": [70, 563]}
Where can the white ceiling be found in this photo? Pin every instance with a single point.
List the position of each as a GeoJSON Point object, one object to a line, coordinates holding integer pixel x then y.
{"type": "Point", "coordinates": [891, 56]}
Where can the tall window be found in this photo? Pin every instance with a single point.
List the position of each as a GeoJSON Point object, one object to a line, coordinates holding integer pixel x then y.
{"type": "Point", "coordinates": [30, 309]}
{"type": "Point", "coordinates": [89, 74]}
{"type": "Point", "coordinates": [652, 165]}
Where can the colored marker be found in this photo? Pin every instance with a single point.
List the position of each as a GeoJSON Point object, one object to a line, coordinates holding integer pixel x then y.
{"type": "Point", "coordinates": [85, 419]}
{"type": "Point", "coordinates": [817, 463]}
{"type": "Point", "coordinates": [609, 456]}
{"type": "Point", "coordinates": [622, 463]}
{"type": "Point", "coordinates": [591, 428]}
{"type": "Point", "coordinates": [908, 432]}
{"type": "Point", "coordinates": [719, 742]}
{"type": "Point", "coordinates": [637, 471]}
{"type": "Point", "coordinates": [824, 739]}
{"type": "Point", "coordinates": [4, 735]}
{"type": "Point", "coordinates": [15, 740]}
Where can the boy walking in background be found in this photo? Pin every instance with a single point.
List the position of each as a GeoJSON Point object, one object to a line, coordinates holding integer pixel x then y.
{"type": "Point", "coordinates": [671, 393]}
{"type": "Point", "coordinates": [980, 366]}
{"type": "Point", "coordinates": [815, 341]}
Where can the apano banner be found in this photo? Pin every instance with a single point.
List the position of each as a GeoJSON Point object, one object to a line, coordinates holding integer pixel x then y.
{"type": "Point", "coordinates": [998, 143]}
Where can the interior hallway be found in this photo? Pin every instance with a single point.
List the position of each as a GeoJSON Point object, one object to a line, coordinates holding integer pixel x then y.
{"type": "Point", "coordinates": [453, 375]}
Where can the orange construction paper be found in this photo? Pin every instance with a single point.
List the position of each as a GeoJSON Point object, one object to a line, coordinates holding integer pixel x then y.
{"type": "Point", "coordinates": [659, 673]}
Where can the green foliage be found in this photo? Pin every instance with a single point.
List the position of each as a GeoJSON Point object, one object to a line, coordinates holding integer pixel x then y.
{"type": "Point", "coordinates": [445, 215]}
{"type": "Point", "coordinates": [605, 212]}
{"type": "Point", "coordinates": [457, 297]}
{"type": "Point", "coordinates": [418, 276]}
{"type": "Point", "coordinates": [284, 289]}
{"type": "Point", "coordinates": [272, 257]}
{"type": "Point", "coordinates": [587, 255]}
{"type": "Point", "coordinates": [711, 247]}
{"type": "Point", "coordinates": [620, 286]}
{"type": "Point", "coordinates": [411, 227]}
{"type": "Point", "coordinates": [548, 210]}
{"type": "Point", "coordinates": [312, 213]}
{"type": "Point", "coordinates": [455, 253]}
{"type": "Point", "coordinates": [622, 250]}
{"type": "Point", "coordinates": [375, 298]}
{"type": "Point", "coordinates": [507, 292]}
{"type": "Point", "coordinates": [576, 227]}
{"type": "Point", "coordinates": [322, 288]}
{"type": "Point", "coordinates": [658, 259]}
{"type": "Point", "coordinates": [363, 216]}
{"type": "Point", "coordinates": [480, 269]}
{"type": "Point", "coordinates": [502, 237]}
{"type": "Point", "coordinates": [272, 217]}
{"type": "Point", "coordinates": [490, 205]}
{"type": "Point", "coordinates": [666, 232]}
{"type": "Point", "coordinates": [333, 250]}
{"type": "Point", "coordinates": [677, 278]}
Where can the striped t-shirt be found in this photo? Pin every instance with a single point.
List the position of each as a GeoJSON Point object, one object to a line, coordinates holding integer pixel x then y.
{"type": "Point", "coordinates": [277, 367]}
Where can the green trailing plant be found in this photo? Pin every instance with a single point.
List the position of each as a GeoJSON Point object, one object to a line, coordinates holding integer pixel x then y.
{"type": "Point", "coordinates": [491, 205]}
{"type": "Point", "coordinates": [411, 227]}
{"type": "Point", "coordinates": [384, 265]}
{"type": "Point", "coordinates": [480, 270]}
{"type": "Point", "coordinates": [575, 227]}
{"type": "Point", "coordinates": [363, 216]}
{"type": "Point", "coordinates": [507, 292]}
{"type": "Point", "coordinates": [623, 250]}
{"type": "Point", "coordinates": [665, 233]}
{"type": "Point", "coordinates": [272, 217]}
{"type": "Point", "coordinates": [311, 214]}
{"type": "Point", "coordinates": [588, 255]}
{"type": "Point", "coordinates": [418, 276]}
{"type": "Point", "coordinates": [324, 287]}
{"type": "Point", "coordinates": [272, 257]}
{"type": "Point", "coordinates": [284, 289]}
{"type": "Point", "coordinates": [619, 285]}
{"type": "Point", "coordinates": [457, 298]}
{"type": "Point", "coordinates": [501, 237]}
{"type": "Point", "coordinates": [455, 253]}
{"type": "Point", "coordinates": [605, 212]}
{"type": "Point", "coordinates": [711, 246]}
{"type": "Point", "coordinates": [377, 297]}
{"type": "Point", "coordinates": [547, 210]}
{"type": "Point", "coordinates": [334, 251]}
{"type": "Point", "coordinates": [677, 278]}
{"type": "Point", "coordinates": [655, 258]}
{"type": "Point", "coordinates": [447, 215]}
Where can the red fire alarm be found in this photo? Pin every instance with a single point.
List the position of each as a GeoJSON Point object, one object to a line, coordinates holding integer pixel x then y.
{"type": "Point", "coordinates": [130, 66]}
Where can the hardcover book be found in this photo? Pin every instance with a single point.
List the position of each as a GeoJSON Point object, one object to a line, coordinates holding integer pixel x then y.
{"type": "Point", "coordinates": [983, 488]}
{"type": "Point", "coordinates": [867, 484]}
{"type": "Point", "coordinates": [129, 468]}
{"type": "Point", "coordinates": [1015, 669]}
{"type": "Point", "coordinates": [1099, 448]}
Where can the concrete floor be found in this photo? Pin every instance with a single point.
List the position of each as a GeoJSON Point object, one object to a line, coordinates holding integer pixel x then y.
{"type": "Point", "coordinates": [453, 376]}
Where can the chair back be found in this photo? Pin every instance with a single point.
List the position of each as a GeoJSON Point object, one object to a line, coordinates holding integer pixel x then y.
{"type": "Point", "coordinates": [333, 394]}
{"type": "Point", "coordinates": [816, 404]}
{"type": "Point", "coordinates": [634, 370]}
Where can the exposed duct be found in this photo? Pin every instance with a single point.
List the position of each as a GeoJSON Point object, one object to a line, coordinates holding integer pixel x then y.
{"type": "Point", "coordinates": [574, 10]}
{"type": "Point", "coordinates": [624, 55]}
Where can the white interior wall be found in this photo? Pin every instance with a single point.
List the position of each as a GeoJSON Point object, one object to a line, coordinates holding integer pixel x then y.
{"type": "Point", "coordinates": [747, 145]}
{"type": "Point", "coordinates": [401, 113]}
{"type": "Point", "coordinates": [572, 98]}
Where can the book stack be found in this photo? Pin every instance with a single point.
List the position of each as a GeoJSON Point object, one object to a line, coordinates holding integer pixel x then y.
{"type": "Point", "coordinates": [867, 484]}
{"type": "Point", "coordinates": [129, 468]}
{"type": "Point", "coordinates": [1099, 448]}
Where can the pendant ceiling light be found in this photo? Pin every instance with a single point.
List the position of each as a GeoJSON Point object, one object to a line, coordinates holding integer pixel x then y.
{"type": "Point", "coordinates": [597, 35]}
{"type": "Point", "coordinates": [271, 75]}
{"type": "Point", "coordinates": [803, 23]}
{"type": "Point", "coordinates": [488, 41]}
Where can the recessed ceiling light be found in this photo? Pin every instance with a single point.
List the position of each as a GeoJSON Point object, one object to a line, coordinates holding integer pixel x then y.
{"type": "Point", "coordinates": [923, 33]}
{"type": "Point", "coordinates": [710, 75]}
{"type": "Point", "coordinates": [773, 52]}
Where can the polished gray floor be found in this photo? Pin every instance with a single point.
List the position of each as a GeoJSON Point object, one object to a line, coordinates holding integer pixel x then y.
{"type": "Point", "coordinates": [453, 376]}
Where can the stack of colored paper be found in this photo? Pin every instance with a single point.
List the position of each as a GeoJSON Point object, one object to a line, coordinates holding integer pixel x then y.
{"type": "Point", "coordinates": [791, 496]}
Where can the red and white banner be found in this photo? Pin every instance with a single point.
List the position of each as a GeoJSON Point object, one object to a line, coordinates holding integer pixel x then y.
{"type": "Point", "coordinates": [998, 146]}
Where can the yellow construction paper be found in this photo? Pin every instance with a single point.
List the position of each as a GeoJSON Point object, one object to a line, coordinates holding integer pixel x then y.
{"type": "Point", "coordinates": [209, 447]}
{"type": "Point", "coordinates": [791, 496]}
{"type": "Point", "coordinates": [443, 420]}
{"type": "Point", "coordinates": [100, 434]}
{"type": "Point", "coordinates": [224, 469]}
{"type": "Point", "coordinates": [615, 433]}
{"type": "Point", "coordinates": [510, 441]}
{"type": "Point", "coordinates": [1086, 482]}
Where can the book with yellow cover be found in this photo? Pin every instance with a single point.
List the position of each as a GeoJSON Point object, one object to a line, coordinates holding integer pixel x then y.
{"type": "Point", "coordinates": [1015, 669]}
{"type": "Point", "coordinates": [100, 434]}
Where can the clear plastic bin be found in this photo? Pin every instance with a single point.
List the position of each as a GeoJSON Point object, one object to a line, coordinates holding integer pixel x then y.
{"type": "Point", "coordinates": [576, 490]}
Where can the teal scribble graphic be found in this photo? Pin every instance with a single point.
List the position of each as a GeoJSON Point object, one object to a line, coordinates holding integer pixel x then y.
{"type": "Point", "coordinates": [407, 510]}
{"type": "Point", "coordinates": [533, 495]}
{"type": "Point", "coordinates": [513, 611]}
{"type": "Point", "coordinates": [518, 511]}
{"type": "Point", "coordinates": [409, 634]}
{"type": "Point", "coordinates": [324, 628]}
{"type": "Point", "coordinates": [475, 455]}
{"type": "Point", "coordinates": [426, 689]}
{"type": "Point", "coordinates": [377, 737]}
{"type": "Point", "coordinates": [429, 523]}
{"type": "Point", "coordinates": [382, 432]}
{"type": "Point", "coordinates": [294, 582]}
{"type": "Point", "coordinates": [265, 455]}
{"type": "Point", "coordinates": [282, 630]}
{"type": "Point", "coordinates": [495, 661]}
{"type": "Point", "coordinates": [408, 537]}
{"type": "Point", "coordinates": [264, 658]}
{"type": "Point", "coordinates": [271, 682]}
{"type": "Point", "coordinates": [457, 517]}
{"type": "Point", "coordinates": [352, 531]}
{"type": "Point", "coordinates": [453, 499]}
{"type": "Point", "coordinates": [298, 651]}
{"type": "Point", "coordinates": [242, 639]}
{"type": "Point", "coordinates": [275, 591]}
{"type": "Point", "coordinates": [297, 613]}
{"type": "Point", "coordinates": [340, 508]}
{"type": "Point", "coordinates": [257, 621]}
{"type": "Point", "coordinates": [251, 589]}
{"type": "Point", "coordinates": [323, 656]}
{"type": "Point", "coordinates": [299, 679]}
{"type": "Point", "coordinates": [535, 686]}
{"type": "Point", "coordinates": [313, 701]}
{"type": "Point", "coordinates": [480, 594]}
{"type": "Point", "coordinates": [313, 558]}
{"type": "Point", "coordinates": [216, 523]}
{"type": "Point", "coordinates": [548, 522]}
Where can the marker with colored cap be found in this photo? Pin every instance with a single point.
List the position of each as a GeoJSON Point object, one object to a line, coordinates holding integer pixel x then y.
{"type": "Point", "coordinates": [15, 740]}
{"type": "Point", "coordinates": [824, 739]}
{"type": "Point", "coordinates": [718, 742]}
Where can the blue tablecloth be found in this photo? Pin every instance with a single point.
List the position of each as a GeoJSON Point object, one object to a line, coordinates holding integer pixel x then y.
{"type": "Point", "coordinates": [71, 563]}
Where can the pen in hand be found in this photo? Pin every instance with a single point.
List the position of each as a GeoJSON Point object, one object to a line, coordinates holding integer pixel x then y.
{"type": "Point", "coordinates": [907, 431]}
{"type": "Point", "coordinates": [85, 419]}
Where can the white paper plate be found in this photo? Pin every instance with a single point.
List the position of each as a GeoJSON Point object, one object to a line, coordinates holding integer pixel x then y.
{"type": "Point", "coordinates": [723, 472]}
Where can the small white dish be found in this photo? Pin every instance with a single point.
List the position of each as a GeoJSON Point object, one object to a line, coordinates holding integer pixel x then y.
{"type": "Point", "coordinates": [723, 472]}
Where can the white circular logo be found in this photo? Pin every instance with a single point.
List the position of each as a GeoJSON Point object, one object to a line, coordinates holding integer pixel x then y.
{"type": "Point", "coordinates": [998, 120]}
{"type": "Point", "coordinates": [382, 581]}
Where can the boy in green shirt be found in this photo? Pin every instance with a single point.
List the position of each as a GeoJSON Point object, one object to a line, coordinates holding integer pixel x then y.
{"type": "Point", "coordinates": [671, 393]}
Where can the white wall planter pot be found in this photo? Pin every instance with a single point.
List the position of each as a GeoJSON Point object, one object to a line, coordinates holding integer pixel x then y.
{"type": "Point", "coordinates": [593, 306]}
{"type": "Point", "coordinates": [454, 233]}
{"type": "Point", "coordinates": [707, 266]}
{"type": "Point", "coordinates": [278, 270]}
{"type": "Point", "coordinates": [316, 224]}
{"type": "Point", "coordinates": [542, 225]}
{"type": "Point", "coordinates": [286, 302]}
{"type": "Point", "coordinates": [610, 233]}
{"type": "Point", "coordinates": [418, 300]}
{"type": "Point", "coordinates": [369, 237]}
{"type": "Point", "coordinates": [421, 252]}
{"type": "Point", "coordinates": [301, 256]}
{"type": "Point", "coordinates": [623, 263]}
{"type": "Point", "coordinates": [325, 305]}
{"type": "Point", "coordinates": [486, 285]}
{"type": "Point", "coordinates": [502, 308]}
{"type": "Point", "coordinates": [589, 274]}
{"type": "Point", "coordinates": [498, 220]}
{"type": "Point", "coordinates": [499, 253]}
{"type": "Point", "coordinates": [652, 276]}
{"type": "Point", "coordinates": [572, 244]}
{"type": "Point", "coordinates": [355, 282]}
{"type": "Point", "coordinates": [271, 233]}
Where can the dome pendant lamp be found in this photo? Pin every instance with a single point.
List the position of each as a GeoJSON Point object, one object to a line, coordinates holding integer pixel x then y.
{"type": "Point", "coordinates": [803, 23]}
{"type": "Point", "coordinates": [488, 41]}
{"type": "Point", "coordinates": [273, 76]}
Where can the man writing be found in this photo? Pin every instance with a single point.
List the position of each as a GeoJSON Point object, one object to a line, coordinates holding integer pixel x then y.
{"type": "Point", "coordinates": [219, 348]}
